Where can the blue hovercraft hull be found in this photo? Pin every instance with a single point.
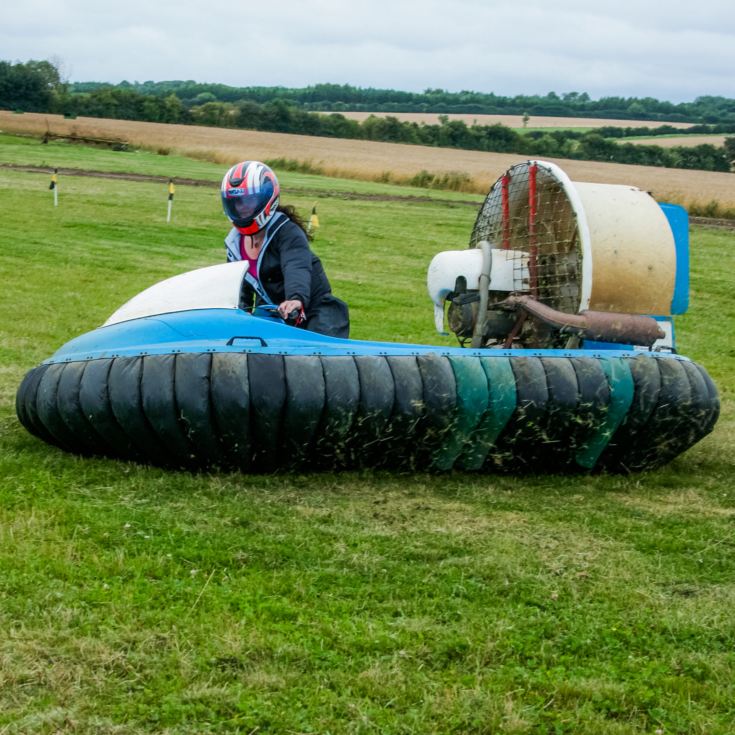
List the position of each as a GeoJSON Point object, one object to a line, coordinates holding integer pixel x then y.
{"type": "Point", "coordinates": [219, 388]}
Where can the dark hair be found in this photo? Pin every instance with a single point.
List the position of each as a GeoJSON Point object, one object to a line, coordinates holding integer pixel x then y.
{"type": "Point", "coordinates": [290, 211]}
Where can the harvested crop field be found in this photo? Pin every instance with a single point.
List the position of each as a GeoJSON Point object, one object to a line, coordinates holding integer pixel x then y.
{"type": "Point", "coordinates": [368, 160]}
{"type": "Point", "coordinates": [516, 121]}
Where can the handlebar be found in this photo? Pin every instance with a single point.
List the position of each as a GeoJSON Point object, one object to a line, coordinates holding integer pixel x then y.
{"type": "Point", "coordinates": [292, 317]}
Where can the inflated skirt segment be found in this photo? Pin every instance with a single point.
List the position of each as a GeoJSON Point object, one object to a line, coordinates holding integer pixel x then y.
{"type": "Point", "coordinates": [254, 411]}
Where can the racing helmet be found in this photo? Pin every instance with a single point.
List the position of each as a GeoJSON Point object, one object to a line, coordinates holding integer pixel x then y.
{"type": "Point", "coordinates": [250, 196]}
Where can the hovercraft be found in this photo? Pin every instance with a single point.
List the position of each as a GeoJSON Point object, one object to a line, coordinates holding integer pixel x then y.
{"type": "Point", "coordinates": [564, 303]}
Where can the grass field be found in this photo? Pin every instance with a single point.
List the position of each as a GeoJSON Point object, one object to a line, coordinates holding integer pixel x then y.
{"type": "Point", "coordinates": [672, 141]}
{"type": "Point", "coordinates": [472, 171]}
{"type": "Point", "coordinates": [134, 600]}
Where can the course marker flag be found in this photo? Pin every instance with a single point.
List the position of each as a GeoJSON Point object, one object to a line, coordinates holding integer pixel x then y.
{"type": "Point", "coordinates": [171, 192]}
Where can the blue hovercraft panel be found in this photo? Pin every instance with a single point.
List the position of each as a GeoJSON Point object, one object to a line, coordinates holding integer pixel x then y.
{"type": "Point", "coordinates": [679, 223]}
{"type": "Point", "coordinates": [234, 330]}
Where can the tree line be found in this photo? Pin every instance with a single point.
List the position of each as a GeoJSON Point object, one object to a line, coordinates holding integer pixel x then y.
{"type": "Point", "coordinates": [36, 86]}
{"type": "Point", "coordinates": [346, 98]}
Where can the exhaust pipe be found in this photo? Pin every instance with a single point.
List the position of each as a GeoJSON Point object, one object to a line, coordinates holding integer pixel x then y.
{"type": "Point", "coordinates": [599, 326]}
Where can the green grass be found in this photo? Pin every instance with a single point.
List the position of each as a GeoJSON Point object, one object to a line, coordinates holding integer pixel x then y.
{"type": "Point", "coordinates": [134, 600]}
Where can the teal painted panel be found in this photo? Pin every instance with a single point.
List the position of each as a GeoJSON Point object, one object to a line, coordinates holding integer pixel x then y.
{"type": "Point", "coordinates": [472, 401]}
{"type": "Point", "coordinates": [620, 380]}
{"type": "Point", "coordinates": [502, 398]}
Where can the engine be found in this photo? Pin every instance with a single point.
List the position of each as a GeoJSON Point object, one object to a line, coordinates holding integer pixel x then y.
{"type": "Point", "coordinates": [553, 263]}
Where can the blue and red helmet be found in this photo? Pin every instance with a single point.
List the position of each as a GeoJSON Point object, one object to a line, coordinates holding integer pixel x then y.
{"type": "Point", "coordinates": [250, 196]}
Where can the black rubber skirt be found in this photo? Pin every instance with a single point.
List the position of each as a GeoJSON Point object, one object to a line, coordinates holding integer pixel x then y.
{"type": "Point", "coordinates": [255, 412]}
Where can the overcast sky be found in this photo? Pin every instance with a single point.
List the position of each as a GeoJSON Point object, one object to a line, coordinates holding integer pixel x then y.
{"type": "Point", "coordinates": [675, 50]}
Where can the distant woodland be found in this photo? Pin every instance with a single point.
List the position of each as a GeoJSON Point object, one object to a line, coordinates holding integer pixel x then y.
{"type": "Point", "coordinates": [36, 86]}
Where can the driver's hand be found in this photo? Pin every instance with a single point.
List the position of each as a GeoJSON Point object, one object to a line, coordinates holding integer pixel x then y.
{"type": "Point", "coordinates": [286, 307]}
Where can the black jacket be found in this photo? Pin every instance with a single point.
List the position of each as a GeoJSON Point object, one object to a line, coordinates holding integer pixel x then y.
{"type": "Point", "coordinates": [290, 270]}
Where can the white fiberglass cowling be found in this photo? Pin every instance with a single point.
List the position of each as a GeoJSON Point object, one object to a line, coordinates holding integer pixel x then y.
{"type": "Point", "coordinates": [508, 272]}
{"type": "Point", "coordinates": [213, 287]}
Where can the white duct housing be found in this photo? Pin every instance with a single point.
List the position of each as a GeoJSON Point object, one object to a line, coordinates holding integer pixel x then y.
{"type": "Point", "coordinates": [574, 246]}
{"type": "Point", "coordinates": [602, 247]}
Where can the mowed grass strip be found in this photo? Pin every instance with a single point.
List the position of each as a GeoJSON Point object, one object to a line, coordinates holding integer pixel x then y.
{"type": "Point", "coordinates": [134, 600]}
{"type": "Point", "coordinates": [471, 171]}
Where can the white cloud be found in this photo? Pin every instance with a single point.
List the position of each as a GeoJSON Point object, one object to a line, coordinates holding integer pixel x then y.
{"type": "Point", "coordinates": [674, 50]}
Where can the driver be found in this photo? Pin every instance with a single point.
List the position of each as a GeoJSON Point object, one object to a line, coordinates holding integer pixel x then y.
{"type": "Point", "coordinates": [282, 269]}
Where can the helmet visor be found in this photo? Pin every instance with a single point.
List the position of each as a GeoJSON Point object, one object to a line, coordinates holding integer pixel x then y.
{"type": "Point", "coordinates": [242, 209]}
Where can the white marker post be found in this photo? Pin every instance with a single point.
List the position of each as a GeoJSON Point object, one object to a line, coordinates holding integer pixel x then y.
{"type": "Point", "coordinates": [171, 191]}
{"type": "Point", "coordinates": [54, 186]}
